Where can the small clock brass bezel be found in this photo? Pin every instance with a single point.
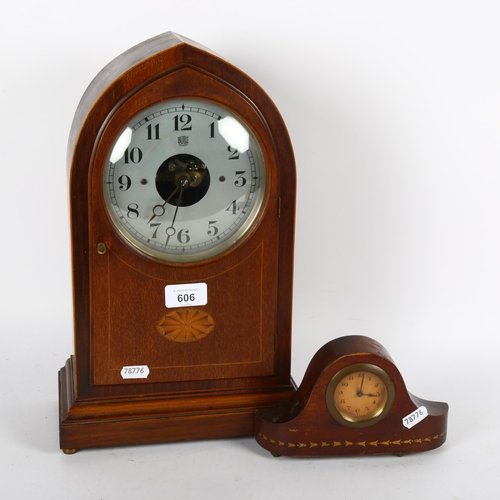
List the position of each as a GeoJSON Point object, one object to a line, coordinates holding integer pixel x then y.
{"type": "Point", "coordinates": [361, 421]}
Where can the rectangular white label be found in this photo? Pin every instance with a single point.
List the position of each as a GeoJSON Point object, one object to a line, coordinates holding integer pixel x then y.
{"type": "Point", "coordinates": [415, 417]}
{"type": "Point", "coordinates": [137, 371]}
{"type": "Point", "coordinates": [192, 294]}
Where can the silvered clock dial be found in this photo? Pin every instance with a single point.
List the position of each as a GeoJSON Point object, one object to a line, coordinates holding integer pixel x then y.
{"type": "Point", "coordinates": [184, 180]}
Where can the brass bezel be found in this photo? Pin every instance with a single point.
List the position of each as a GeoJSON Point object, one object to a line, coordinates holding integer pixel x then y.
{"type": "Point", "coordinates": [216, 250]}
{"type": "Point", "coordinates": [352, 421]}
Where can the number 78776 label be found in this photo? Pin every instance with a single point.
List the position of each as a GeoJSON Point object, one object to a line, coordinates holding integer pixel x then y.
{"type": "Point", "coordinates": [137, 371]}
{"type": "Point", "coordinates": [415, 417]}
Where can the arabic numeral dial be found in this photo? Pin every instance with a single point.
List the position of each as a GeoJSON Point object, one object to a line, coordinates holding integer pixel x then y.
{"type": "Point", "coordinates": [184, 180]}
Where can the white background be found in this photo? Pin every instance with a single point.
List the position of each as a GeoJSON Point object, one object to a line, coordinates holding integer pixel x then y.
{"type": "Point", "coordinates": [393, 108]}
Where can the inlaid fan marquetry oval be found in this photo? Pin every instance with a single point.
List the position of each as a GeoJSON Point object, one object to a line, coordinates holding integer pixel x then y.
{"type": "Point", "coordinates": [186, 325]}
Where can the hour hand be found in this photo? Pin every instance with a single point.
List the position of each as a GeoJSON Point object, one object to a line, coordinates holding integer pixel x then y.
{"type": "Point", "coordinates": [159, 210]}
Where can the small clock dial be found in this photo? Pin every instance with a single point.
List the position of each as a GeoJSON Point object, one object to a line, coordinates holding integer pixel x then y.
{"type": "Point", "coordinates": [184, 180]}
{"type": "Point", "coordinates": [360, 394]}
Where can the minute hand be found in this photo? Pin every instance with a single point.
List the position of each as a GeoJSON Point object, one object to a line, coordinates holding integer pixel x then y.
{"type": "Point", "coordinates": [182, 184]}
{"type": "Point", "coordinates": [171, 230]}
{"type": "Point", "coordinates": [360, 392]}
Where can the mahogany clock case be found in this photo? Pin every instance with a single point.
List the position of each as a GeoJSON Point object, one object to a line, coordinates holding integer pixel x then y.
{"type": "Point", "coordinates": [204, 389]}
{"type": "Point", "coordinates": [305, 426]}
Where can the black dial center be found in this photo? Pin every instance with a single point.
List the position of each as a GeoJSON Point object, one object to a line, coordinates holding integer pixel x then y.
{"type": "Point", "coordinates": [182, 175]}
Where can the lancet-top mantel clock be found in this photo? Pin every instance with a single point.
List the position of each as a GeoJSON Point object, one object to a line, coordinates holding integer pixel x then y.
{"type": "Point", "coordinates": [182, 194]}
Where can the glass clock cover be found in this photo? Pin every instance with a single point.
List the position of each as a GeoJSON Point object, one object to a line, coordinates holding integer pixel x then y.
{"type": "Point", "coordinates": [184, 180]}
{"type": "Point", "coordinates": [359, 395]}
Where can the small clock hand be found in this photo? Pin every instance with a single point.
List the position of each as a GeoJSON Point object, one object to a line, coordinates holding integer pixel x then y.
{"type": "Point", "coordinates": [360, 392]}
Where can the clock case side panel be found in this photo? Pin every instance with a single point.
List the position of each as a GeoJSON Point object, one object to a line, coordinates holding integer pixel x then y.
{"type": "Point", "coordinates": [79, 409]}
